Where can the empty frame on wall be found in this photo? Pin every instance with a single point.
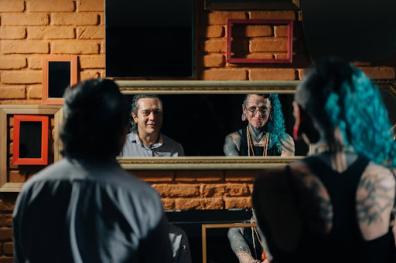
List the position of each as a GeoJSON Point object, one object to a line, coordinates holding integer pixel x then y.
{"type": "Point", "coordinates": [59, 73]}
{"type": "Point", "coordinates": [30, 140]}
{"type": "Point", "coordinates": [278, 33]}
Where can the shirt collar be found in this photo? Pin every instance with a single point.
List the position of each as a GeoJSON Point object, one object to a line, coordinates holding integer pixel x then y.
{"type": "Point", "coordinates": [135, 139]}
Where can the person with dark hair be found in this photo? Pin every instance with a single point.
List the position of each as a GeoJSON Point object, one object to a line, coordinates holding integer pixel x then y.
{"type": "Point", "coordinates": [264, 135]}
{"type": "Point", "coordinates": [337, 205]}
{"type": "Point", "coordinates": [85, 208]}
{"type": "Point", "coordinates": [146, 139]}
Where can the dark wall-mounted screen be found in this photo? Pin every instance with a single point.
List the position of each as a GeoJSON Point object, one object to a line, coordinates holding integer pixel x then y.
{"type": "Point", "coordinates": [58, 78]}
{"type": "Point", "coordinates": [356, 30]}
{"type": "Point", "coordinates": [151, 38]}
{"type": "Point", "coordinates": [30, 139]}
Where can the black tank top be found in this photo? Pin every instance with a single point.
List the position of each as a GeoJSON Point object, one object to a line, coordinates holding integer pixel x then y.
{"type": "Point", "coordinates": [258, 151]}
{"type": "Point", "coordinates": [345, 242]}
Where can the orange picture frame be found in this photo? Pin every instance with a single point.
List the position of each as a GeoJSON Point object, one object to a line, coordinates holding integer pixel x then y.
{"type": "Point", "coordinates": [48, 62]}
{"type": "Point", "coordinates": [43, 158]}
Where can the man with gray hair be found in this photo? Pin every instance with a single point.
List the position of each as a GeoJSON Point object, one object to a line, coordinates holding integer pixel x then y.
{"type": "Point", "coordinates": [145, 139]}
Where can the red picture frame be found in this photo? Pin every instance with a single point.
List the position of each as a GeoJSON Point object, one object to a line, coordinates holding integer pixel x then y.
{"type": "Point", "coordinates": [239, 60]}
{"type": "Point", "coordinates": [47, 61]}
{"type": "Point", "coordinates": [43, 158]}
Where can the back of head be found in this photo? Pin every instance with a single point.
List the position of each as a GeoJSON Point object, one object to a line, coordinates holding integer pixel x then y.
{"type": "Point", "coordinates": [96, 116]}
{"type": "Point", "coordinates": [338, 95]}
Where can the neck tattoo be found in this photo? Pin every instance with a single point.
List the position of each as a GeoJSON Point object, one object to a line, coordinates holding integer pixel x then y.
{"type": "Point", "coordinates": [257, 134]}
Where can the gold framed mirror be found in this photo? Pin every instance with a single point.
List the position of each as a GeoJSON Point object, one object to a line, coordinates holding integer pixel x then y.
{"type": "Point", "coordinates": [226, 88]}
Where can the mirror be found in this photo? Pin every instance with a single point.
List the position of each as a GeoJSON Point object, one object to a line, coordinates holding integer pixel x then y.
{"type": "Point", "coordinates": [201, 122]}
{"type": "Point", "coordinates": [207, 103]}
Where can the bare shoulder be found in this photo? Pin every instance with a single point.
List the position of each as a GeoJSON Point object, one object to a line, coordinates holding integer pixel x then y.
{"type": "Point", "coordinates": [375, 200]}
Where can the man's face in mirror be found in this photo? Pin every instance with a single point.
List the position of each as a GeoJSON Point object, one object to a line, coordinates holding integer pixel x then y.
{"type": "Point", "coordinates": [148, 117]}
{"type": "Point", "coordinates": [257, 110]}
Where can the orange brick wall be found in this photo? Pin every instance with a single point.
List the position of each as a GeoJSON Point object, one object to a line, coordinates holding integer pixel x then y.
{"type": "Point", "coordinates": [30, 29]}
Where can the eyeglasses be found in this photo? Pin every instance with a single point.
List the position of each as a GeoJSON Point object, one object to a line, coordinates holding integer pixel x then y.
{"type": "Point", "coordinates": [253, 110]}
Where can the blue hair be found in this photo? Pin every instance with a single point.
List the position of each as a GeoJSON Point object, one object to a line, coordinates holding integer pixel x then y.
{"type": "Point", "coordinates": [276, 124]}
{"type": "Point", "coordinates": [353, 104]}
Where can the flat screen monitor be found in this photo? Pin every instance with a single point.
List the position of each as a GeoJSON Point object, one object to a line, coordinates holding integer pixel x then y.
{"type": "Point", "coordinates": [151, 38]}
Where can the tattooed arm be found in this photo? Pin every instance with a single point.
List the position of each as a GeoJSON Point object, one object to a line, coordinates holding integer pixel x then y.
{"type": "Point", "coordinates": [232, 144]}
{"type": "Point", "coordinates": [375, 201]}
{"type": "Point", "coordinates": [287, 144]}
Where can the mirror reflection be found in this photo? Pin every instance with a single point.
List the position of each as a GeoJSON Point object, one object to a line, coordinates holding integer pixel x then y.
{"type": "Point", "coordinates": [212, 125]}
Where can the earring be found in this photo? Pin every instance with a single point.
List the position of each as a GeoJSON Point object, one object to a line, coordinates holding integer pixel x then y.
{"type": "Point", "coordinates": [243, 117]}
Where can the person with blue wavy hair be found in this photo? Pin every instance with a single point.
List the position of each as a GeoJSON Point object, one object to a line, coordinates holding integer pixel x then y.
{"type": "Point", "coordinates": [264, 134]}
{"type": "Point", "coordinates": [339, 203]}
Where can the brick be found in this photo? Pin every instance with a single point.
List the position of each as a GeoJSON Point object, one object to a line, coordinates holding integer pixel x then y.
{"type": "Point", "coordinates": [24, 19]}
{"type": "Point", "coordinates": [212, 203]}
{"type": "Point", "coordinates": [214, 60]}
{"type": "Point", "coordinates": [12, 62]}
{"type": "Point", "coordinates": [11, 32]}
{"type": "Point", "coordinates": [237, 190]}
{"type": "Point", "coordinates": [91, 74]}
{"type": "Point", "coordinates": [102, 47]}
{"type": "Point", "coordinates": [168, 203]}
{"type": "Point", "coordinates": [237, 202]}
{"type": "Point", "coordinates": [199, 176]}
{"type": "Point", "coordinates": [90, 5]}
{"type": "Point", "coordinates": [155, 176]}
{"type": "Point", "coordinates": [258, 31]}
{"type": "Point", "coordinates": [12, 6]}
{"type": "Point", "coordinates": [5, 234]}
{"type": "Point", "coordinates": [22, 77]}
{"type": "Point", "coordinates": [74, 47]}
{"type": "Point", "coordinates": [379, 72]}
{"type": "Point", "coordinates": [287, 15]}
{"type": "Point", "coordinates": [75, 19]}
{"type": "Point", "coordinates": [96, 61]}
{"type": "Point", "coordinates": [12, 92]}
{"type": "Point", "coordinates": [281, 56]}
{"type": "Point", "coordinates": [50, 6]}
{"type": "Point", "coordinates": [241, 176]}
{"type": "Point", "coordinates": [188, 203]}
{"type": "Point", "coordinates": [35, 92]}
{"type": "Point", "coordinates": [177, 190]}
{"type": "Point", "coordinates": [50, 32]}
{"type": "Point", "coordinates": [261, 55]}
{"type": "Point", "coordinates": [272, 74]}
{"type": "Point", "coordinates": [212, 190]}
{"type": "Point", "coordinates": [5, 220]}
{"type": "Point", "coordinates": [281, 31]}
{"type": "Point", "coordinates": [16, 177]}
{"type": "Point", "coordinates": [225, 74]}
{"type": "Point", "coordinates": [221, 17]}
{"type": "Point", "coordinates": [24, 47]}
{"type": "Point", "coordinates": [35, 62]}
{"type": "Point", "coordinates": [215, 45]}
{"type": "Point", "coordinates": [8, 248]}
{"type": "Point", "coordinates": [268, 44]}
{"type": "Point", "coordinates": [91, 32]}
{"type": "Point", "coordinates": [214, 31]}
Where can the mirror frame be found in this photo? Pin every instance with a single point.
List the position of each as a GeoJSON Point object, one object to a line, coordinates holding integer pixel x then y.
{"type": "Point", "coordinates": [205, 227]}
{"type": "Point", "coordinates": [7, 110]}
{"type": "Point", "coordinates": [204, 87]}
